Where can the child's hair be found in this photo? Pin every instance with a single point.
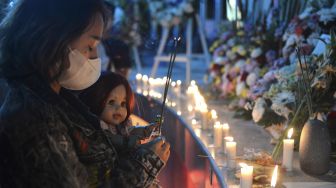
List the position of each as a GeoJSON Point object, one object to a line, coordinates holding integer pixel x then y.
{"type": "Point", "coordinates": [95, 96]}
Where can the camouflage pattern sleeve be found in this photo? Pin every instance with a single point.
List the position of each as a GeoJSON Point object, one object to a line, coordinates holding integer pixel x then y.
{"type": "Point", "coordinates": [140, 170]}
{"type": "Point", "coordinates": [35, 148]}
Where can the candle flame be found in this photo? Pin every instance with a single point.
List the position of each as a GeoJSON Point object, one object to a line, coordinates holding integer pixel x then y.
{"type": "Point", "coordinates": [178, 82]}
{"type": "Point", "coordinates": [145, 78]}
{"type": "Point", "coordinates": [229, 138]}
{"type": "Point", "coordinates": [274, 176]}
{"type": "Point", "coordinates": [243, 165]}
{"type": "Point", "coordinates": [226, 126]}
{"type": "Point", "coordinates": [138, 76]}
{"type": "Point", "coordinates": [193, 82]}
{"type": "Point", "coordinates": [290, 133]}
{"type": "Point", "coordinates": [193, 121]}
{"type": "Point", "coordinates": [173, 84]}
{"type": "Point", "coordinates": [213, 114]}
{"type": "Point", "coordinates": [217, 125]}
{"type": "Point", "coordinates": [179, 113]}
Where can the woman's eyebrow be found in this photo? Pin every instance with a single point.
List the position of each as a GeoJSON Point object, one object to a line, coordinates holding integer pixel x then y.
{"type": "Point", "coordinates": [95, 37]}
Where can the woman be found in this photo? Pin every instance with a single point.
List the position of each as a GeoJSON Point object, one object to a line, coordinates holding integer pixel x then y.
{"type": "Point", "coordinates": [47, 137]}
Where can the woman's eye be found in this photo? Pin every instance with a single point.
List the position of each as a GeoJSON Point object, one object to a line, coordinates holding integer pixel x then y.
{"type": "Point", "coordinates": [111, 102]}
{"type": "Point", "coordinates": [123, 104]}
{"type": "Point", "coordinates": [90, 48]}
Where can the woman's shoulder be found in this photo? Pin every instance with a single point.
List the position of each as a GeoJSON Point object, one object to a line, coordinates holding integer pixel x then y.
{"type": "Point", "coordinates": [22, 103]}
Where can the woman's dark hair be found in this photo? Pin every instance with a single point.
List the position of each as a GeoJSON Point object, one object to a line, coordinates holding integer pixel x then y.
{"type": "Point", "coordinates": [35, 35]}
{"type": "Point", "coordinates": [96, 95]}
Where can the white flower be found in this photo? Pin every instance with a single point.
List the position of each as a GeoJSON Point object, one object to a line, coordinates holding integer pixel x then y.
{"type": "Point", "coordinates": [239, 88]}
{"type": "Point", "coordinates": [231, 42]}
{"type": "Point", "coordinates": [313, 39]}
{"type": "Point", "coordinates": [240, 63]}
{"type": "Point", "coordinates": [187, 7]}
{"type": "Point", "coordinates": [327, 14]}
{"type": "Point", "coordinates": [256, 53]}
{"type": "Point", "coordinates": [259, 109]}
{"type": "Point", "coordinates": [291, 40]}
{"type": "Point", "coordinates": [231, 55]}
{"type": "Point", "coordinates": [306, 13]}
{"type": "Point", "coordinates": [241, 50]}
{"type": "Point", "coordinates": [220, 60]}
{"type": "Point", "coordinates": [251, 79]}
{"type": "Point", "coordinates": [281, 103]}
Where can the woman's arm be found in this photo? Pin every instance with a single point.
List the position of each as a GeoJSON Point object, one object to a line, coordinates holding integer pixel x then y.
{"type": "Point", "coordinates": [36, 150]}
{"type": "Point", "coordinates": [141, 168]}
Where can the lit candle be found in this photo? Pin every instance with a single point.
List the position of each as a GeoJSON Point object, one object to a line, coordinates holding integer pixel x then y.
{"type": "Point", "coordinates": [246, 175]}
{"type": "Point", "coordinates": [212, 150]}
{"type": "Point", "coordinates": [178, 88]}
{"type": "Point", "coordinates": [204, 112]}
{"type": "Point", "coordinates": [287, 159]}
{"type": "Point", "coordinates": [230, 146]}
{"type": "Point", "coordinates": [214, 115]}
{"type": "Point", "coordinates": [193, 123]}
{"type": "Point", "coordinates": [138, 78]}
{"type": "Point", "coordinates": [226, 129]}
{"type": "Point", "coordinates": [218, 134]}
{"type": "Point", "coordinates": [191, 111]}
{"type": "Point", "coordinates": [274, 177]}
{"type": "Point", "coordinates": [145, 83]}
{"type": "Point", "coordinates": [198, 131]}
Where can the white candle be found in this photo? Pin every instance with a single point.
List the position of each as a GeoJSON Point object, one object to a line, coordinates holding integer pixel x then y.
{"type": "Point", "coordinates": [274, 177]}
{"type": "Point", "coordinates": [178, 88]}
{"type": "Point", "coordinates": [246, 175]}
{"type": "Point", "coordinates": [212, 150]}
{"type": "Point", "coordinates": [230, 146]}
{"type": "Point", "coordinates": [226, 129]}
{"type": "Point", "coordinates": [218, 134]}
{"type": "Point", "coordinates": [287, 159]}
{"type": "Point", "coordinates": [145, 83]}
{"type": "Point", "coordinates": [191, 111]}
{"type": "Point", "coordinates": [214, 115]}
{"type": "Point", "coordinates": [138, 78]}
{"type": "Point", "coordinates": [198, 131]}
{"type": "Point", "coordinates": [204, 113]}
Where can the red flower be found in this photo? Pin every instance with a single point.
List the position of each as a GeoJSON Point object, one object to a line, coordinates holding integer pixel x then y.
{"type": "Point", "coordinates": [298, 30]}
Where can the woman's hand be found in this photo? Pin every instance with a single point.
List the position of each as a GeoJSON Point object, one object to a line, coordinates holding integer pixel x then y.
{"type": "Point", "coordinates": [160, 147]}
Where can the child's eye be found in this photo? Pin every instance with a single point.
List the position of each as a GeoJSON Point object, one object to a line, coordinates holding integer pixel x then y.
{"type": "Point", "coordinates": [90, 48]}
{"type": "Point", "coordinates": [123, 104]}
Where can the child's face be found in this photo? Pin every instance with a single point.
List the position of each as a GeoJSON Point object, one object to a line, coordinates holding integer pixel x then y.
{"type": "Point", "coordinates": [115, 110]}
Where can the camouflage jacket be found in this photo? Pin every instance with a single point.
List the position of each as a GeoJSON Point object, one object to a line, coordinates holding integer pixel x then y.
{"type": "Point", "coordinates": [50, 140]}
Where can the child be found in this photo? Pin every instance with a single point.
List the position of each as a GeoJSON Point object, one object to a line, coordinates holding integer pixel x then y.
{"type": "Point", "coordinates": [112, 99]}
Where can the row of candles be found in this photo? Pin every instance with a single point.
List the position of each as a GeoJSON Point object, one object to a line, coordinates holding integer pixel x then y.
{"type": "Point", "coordinates": [196, 104]}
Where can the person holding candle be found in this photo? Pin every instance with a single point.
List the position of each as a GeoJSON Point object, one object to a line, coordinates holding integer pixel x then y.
{"type": "Point", "coordinates": [47, 138]}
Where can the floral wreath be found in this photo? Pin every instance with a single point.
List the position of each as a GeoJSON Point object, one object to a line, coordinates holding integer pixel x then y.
{"type": "Point", "coordinates": [168, 13]}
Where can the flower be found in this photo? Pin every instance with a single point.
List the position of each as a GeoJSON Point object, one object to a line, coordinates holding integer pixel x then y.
{"type": "Point", "coordinates": [251, 79]}
{"type": "Point", "coordinates": [327, 14]}
{"type": "Point", "coordinates": [283, 103]}
{"type": "Point", "coordinates": [256, 53]}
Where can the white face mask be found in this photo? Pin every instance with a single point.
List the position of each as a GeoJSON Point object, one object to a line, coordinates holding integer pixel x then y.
{"type": "Point", "coordinates": [82, 72]}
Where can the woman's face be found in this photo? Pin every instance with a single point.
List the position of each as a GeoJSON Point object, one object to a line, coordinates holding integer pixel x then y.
{"type": "Point", "coordinates": [115, 110]}
{"type": "Point", "coordinates": [87, 43]}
